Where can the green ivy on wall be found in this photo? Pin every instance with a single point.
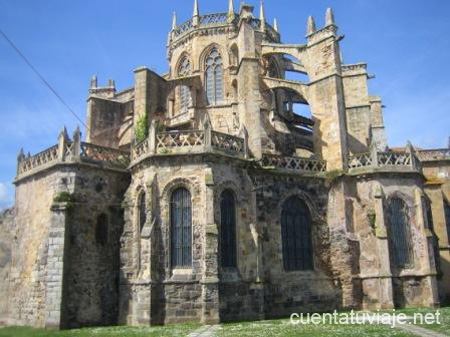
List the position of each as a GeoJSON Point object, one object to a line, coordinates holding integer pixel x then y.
{"type": "Point", "coordinates": [141, 130]}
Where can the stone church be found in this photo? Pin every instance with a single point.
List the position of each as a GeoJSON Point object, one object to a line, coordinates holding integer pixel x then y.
{"type": "Point", "coordinates": [225, 190]}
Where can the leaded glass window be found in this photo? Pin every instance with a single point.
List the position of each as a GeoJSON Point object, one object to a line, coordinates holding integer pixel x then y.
{"type": "Point", "coordinates": [184, 90]}
{"type": "Point", "coordinates": [214, 78]}
{"type": "Point", "coordinates": [228, 229]}
{"type": "Point", "coordinates": [399, 231]}
{"type": "Point", "coordinates": [447, 218]}
{"type": "Point", "coordinates": [296, 235]}
{"type": "Point", "coordinates": [181, 228]}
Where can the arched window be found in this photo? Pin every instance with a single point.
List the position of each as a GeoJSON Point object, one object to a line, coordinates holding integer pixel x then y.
{"type": "Point", "coordinates": [214, 77]}
{"type": "Point", "coordinates": [228, 229]}
{"type": "Point", "coordinates": [427, 215]}
{"type": "Point", "coordinates": [399, 231]}
{"type": "Point", "coordinates": [447, 218]}
{"type": "Point", "coordinates": [184, 91]}
{"type": "Point", "coordinates": [296, 235]}
{"type": "Point", "coordinates": [181, 228]}
{"type": "Point", "coordinates": [142, 210]}
{"type": "Point", "coordinates": [101, 230]}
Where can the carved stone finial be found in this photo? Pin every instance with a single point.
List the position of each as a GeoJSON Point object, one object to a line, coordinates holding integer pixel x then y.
{"type": "Point", "coordinates": [174, 21]}
{"type": "Point", "coordinates": [275, 25]}
{"type": "Point", "coordinates": [196, 11]}
{"type": "Point", "coordinates": [329, 17]}
{"type": "Point", "coordinates": [311, 26]}
{"type": "Point", "coordinates": [77, 133]}
{"type": "Point", "coordinates": [409, 146]}
{"type": "Point", "coordinates": [230, 8]}
{"type": "Point", "coordinates": [94, 82]}
{"type": "Point", "coordinates": [21, 155]}
{"type": "Point", "coordinates": [262, 16]}
{"type": "Point", "coordinates": [196, 18]}
{"type": "Point", "coordinates": [64, 133]}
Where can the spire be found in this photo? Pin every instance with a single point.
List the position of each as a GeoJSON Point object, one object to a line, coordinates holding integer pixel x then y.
{"type": "Point", "coordinates": [275, 25]}
{"type": "Point", "coordinates": [231, 14]}
{"type": "Point", "coordinates": [174, 21]}
{"type": "Point", "coordinates": [21, 155]}
{"type": "Point", "coordinates": [196, 18]}
{"type": "Point", "coordinates": [196, 12]}
{"type": "Point", "coordinates": [262, 16]}
{"type": "Point", "coordinates": [329, 17]}
{"type": "Point", "coordinates": [94, 82]}
{"type": "Point", "coordinates": [64, 133]}
{"type": "Point", "coordinates": [230, 8]}
{"type": "Point", "coordinates": [311, 27]}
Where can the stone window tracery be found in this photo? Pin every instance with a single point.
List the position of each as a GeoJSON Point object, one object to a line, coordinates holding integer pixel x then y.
{"type": "Point", "coordinates": [214, 77]}
{"type": "Point", "coordinates": [184, 91]}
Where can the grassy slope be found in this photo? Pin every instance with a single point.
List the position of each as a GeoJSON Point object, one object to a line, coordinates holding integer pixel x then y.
{"type": "Point", "coordinates": [272, 328]}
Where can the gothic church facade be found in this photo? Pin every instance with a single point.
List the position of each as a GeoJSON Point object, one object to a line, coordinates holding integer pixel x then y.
{"type": "Point", "coordinates": [204, 195]}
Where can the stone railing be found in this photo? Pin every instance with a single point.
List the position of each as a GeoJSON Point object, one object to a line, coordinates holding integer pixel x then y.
{"type": "Point", "coordinates": [211, 19]}
{"type": "Point", "coordinates": [190, 141]}
{"type": "Point", "coordinates": [179, 139]}
{"type": "Point", "coordinates": [375, 159]}
{"type": "Point", "coordinates": [71, 151]}
{"type": "Point", "coordinates": [184, 28]}
{"type": "Point", "coordinates": [297, 164]}
{"type": "Point", "coordinates": [29, 163]}
{"type": "Point", "coordinates": [221, 19]}
{"type": "Point", "coordinates": [103, 154]}
{"type": "Point", "coordinates": [227, 143]}
{"type": "Point", "coordinates": [434, 155]}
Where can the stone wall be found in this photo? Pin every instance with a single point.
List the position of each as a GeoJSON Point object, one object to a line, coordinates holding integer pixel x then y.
{"type": "Point", "coordinates": [264, 289]}
{"type": "Point", "coordinates": [110, 122]}
{"type": "Point", "coordinates": [438, 190]}
{"type": "Point", "coordinates": [92, 256]}
{"type": "Point", "coordinates": [58, 272]}
{"type": "Point", "coordinates": [28, 278]}
{"type": "Point", "coordinates": [383, 284]}
{"type": "Point", "coordinates": [7, 227]}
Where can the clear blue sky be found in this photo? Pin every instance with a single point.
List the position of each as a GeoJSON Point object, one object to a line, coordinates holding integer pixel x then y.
{"type": "Point", "coordinates": [405, 42]}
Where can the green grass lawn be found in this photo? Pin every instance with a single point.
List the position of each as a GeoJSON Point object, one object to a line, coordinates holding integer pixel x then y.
{"type": "Point", "coordinates": [270, 328]}
{"type": "Point", "coordinates": [157, 331]}
{"type": "Point", "coordinates": [285, 329]}
{"type": "Point", "coordinates": [443, 328]}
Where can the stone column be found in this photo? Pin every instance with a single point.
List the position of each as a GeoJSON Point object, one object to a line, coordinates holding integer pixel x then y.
{"type": "Point", "coordinates": [54, 300]}
{"type": "Point", "coordinates": [342, 260]}
{"type": "Point", "coordinates": [429, 263]}
{"type": "Point", "coordinates": [210, 279]}
{"type": "Point", "coordinates": [386, 294]}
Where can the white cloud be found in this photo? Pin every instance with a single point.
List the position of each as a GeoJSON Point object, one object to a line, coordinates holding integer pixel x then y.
{"type": "Point", "coordinates": [3, 193]}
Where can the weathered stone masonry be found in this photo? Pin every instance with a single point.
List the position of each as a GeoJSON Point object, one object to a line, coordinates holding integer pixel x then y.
{"type": "Point", "coordinates": [202, 195]}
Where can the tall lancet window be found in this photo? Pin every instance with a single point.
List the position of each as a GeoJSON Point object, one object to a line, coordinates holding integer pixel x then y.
{"type": "Point", "coordinates": [142, 211]}
{"type": "Point", "coordinates": [447, 218]}
{"type": "Point", "coordinates": [228, 229]}
{"type": "Point", "coordinates": [399, 232]}
{"type": "Point", "coordinates": [214, 78]}
{"type": "Point", "coordinates": [181, 228]}
{"type": "Point", "coordinates": [296, 235]}
{"type": "Point", "coordinates": [184, 91]}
